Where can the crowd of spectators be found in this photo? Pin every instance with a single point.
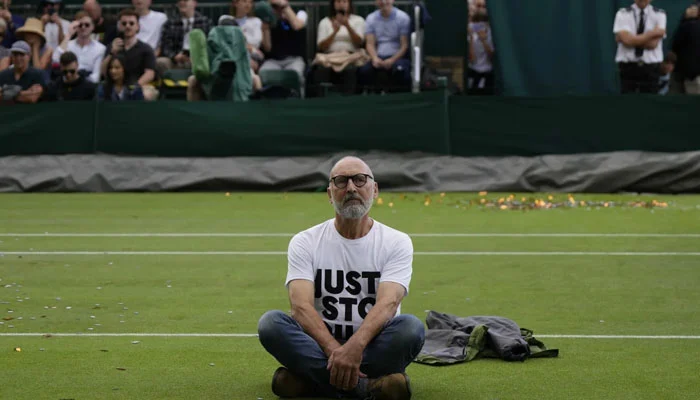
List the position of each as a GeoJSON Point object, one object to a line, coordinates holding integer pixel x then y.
{"type": "Point", "coordinates": [52, 56]}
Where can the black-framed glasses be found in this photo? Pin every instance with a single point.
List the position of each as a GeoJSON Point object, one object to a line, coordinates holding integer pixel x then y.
{"type": "Point", "coordinates": [359, 180]}
{"type": "Point", "coordinates": [84, 25]}
{"type": "Point", "coordinates": [69, 71]}
{"type": "Point", "coordinates": [128, 23]}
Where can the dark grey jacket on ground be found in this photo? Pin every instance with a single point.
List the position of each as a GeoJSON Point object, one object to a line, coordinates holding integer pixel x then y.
{"type": "Point", "coordinates": [450, 340]}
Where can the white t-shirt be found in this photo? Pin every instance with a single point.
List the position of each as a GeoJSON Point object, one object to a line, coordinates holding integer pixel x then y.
{"type": "Point", "coordinates": [342, 40]}
{"type": "Point", "coordinates": [151, 26]}
{"type": "Point", "coordinates": [627, 19]}
{"type": "Point", "coordinates": [51, 32]}
{"type": "Point", "coordinates": [347, 273]}
{"type": "Point", "coordinates": [252, 30]}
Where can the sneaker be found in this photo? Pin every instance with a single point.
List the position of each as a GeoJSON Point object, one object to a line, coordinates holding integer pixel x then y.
{"type": "Point", "coordinates": [287, 385]}
{"type": "Point", "coordinates": [390, 387]}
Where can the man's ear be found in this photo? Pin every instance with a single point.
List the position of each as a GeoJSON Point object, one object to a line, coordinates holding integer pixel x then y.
{"type": "Point", "coordinates": [376, 190]}
{"type": "Point", "coordinates": [328, 190]}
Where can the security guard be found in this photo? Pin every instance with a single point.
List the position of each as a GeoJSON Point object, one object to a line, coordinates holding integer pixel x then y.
{"type": "Point", "coordinates": [639, 31]}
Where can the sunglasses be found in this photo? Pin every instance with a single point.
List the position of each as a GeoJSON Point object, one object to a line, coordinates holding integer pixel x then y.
{"type": "Point", "coordinates": [128, 23]}
{"type": "Point", "coordinates": [359, 180]}
{"type": "Point", "coordinates": [69, 71]}
{"type": "Point", "coordinates": [84, 25]}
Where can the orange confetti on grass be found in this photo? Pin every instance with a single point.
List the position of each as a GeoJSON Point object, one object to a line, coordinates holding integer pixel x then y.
{"type": "Point", "coordinates": [380, 201]}
{"type": "Point", "coordinates": [483, 193]}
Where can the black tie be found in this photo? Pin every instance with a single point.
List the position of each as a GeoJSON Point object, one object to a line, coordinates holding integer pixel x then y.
{"type": "Point", "coordinates": [639, 51]}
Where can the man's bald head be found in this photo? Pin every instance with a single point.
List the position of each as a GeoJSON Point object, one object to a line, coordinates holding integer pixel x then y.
{"type": "Point", "coordinates": [350, 166]}
{"type": "Point", "coordinates": [93, 8]}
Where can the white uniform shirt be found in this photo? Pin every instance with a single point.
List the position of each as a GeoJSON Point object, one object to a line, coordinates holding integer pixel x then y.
{"type": "Point", "coordinates": [346, 273]}
{"type": "Point", "coordinates": [342, 40]}
{"type": "Point", "coordinates": [150, 27]}
{"type": "Point", "coordinates": [627, 19]}
{"type": "Point", "coordinates": [89, 57]}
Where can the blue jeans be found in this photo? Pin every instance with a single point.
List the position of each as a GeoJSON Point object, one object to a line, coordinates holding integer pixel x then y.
{"type": "Point", "coordinates": [389, 352]}
{"type": "Point", "coordinates": [396, 79]}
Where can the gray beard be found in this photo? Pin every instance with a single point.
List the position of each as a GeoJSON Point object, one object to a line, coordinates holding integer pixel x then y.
{"type": "Point", "coordinates": [352, 211]}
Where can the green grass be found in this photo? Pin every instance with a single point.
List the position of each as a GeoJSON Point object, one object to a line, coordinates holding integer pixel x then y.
{"type": "Point", "coordinates": [585, 295]}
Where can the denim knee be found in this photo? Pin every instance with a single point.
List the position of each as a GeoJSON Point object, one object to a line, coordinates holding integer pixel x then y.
{"type": "Point", "coordinates": [411, 330]}
{"type": "Point", "coordinates": [269, 325]}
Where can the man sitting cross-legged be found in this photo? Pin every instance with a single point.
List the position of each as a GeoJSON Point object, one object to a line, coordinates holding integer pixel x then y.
{"type": "Point", "coordinates": [346, 336]}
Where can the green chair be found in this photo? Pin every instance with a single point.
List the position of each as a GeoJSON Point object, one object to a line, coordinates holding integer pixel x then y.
{"type": "Point", "coordinates": [286, 79]}
{"type": "Point", "coordinates": [174, 83]}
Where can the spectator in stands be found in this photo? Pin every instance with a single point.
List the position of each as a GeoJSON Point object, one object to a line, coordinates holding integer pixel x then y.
{"type": "Point", "coordinates": [639, 31]}
{"type": "Point", "coordinates": [481, 50]}
{"type": "Point", "coordinates": [4, 52]}
{"type": "Point", "coordinates": [150, 24]}
{"type": "Point", "coordinates": [55, 27]}
{"type": "Point", "coordinates": [667, 68]}
{"type": "Point", "coordinates": [175, 39]}
{"type": "Point", "coordinates": [21, 83]}
{"type": "Point", "coordinates": [105, 26]}
{"type": "Point", "coordinates": [340, 40]}
{"type": "Point", "coordinates": [90, 52]}
{"type": "Point", "coordinates": [115, 87]}
{"type": "Point", "coordinates": [139, 61]}
{"type": "Point", "coordinates": [387, 32]}
{"type": "Point", "coordinates": [70, 85]}
{"type": "Point", "coordinates": [288, 38]}
{"type": "Point", "coordinates": [686, 45]}
{"type": "Point", "coordinates": [12, 21]}
{"type": "Point", "coordinates": [257, 33]}
{"type": "Point", "coordinates": [40, 57]}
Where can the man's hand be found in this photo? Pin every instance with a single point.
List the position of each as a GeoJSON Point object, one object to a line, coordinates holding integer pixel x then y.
{"type": "Point", "coordinates": [342, 20]}
{"type": "Point", "coordinates": [117, 46]}
{"type": "Point", "coordinates": [386, 64]}
{"type": "Point", "coordinates": [6, 15]}
{"type": "Point", "coordinates": [181, 58]}
{"type": "Point", "coordinates": [377, 62]}
{"type": "Point", "coordinates": [55, 18]}
{"type": "Point", "coordinates": [73, 27]}
{"type": "Point", "coordinates": [483, 35]}
{"type": "Point", "coordinates": [344, 364]}
{"type": "Point", "coordinates": [45, 19]}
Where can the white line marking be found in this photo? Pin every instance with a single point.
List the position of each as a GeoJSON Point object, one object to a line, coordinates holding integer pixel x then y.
{"type": "Point", "coordinates": [238, 335]}
{"type": "Point", "coordinates": [252, 235]}
{"type": "Point", "coordinates": [417, 253]}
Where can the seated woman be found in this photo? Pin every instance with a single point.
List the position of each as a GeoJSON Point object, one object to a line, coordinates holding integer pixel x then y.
{"type": "Point", "coordinates": [114, 89]}
{"type": "Point", "coordinates": [33, 33]}
{"type": "Point", "coordinates": [256, 32]}
{"type": "Point", "coordinates": [340, 42]}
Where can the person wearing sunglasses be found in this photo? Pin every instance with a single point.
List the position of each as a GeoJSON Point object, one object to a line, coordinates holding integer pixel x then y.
{"type": "Point", "coordinates": [346, 278]}
{"type": "Point", "coordinates": [90, 52]}
{"type": "Point", "coordinates": [139, 58]}
{"type": "Point", "coordinates": [71, 85]}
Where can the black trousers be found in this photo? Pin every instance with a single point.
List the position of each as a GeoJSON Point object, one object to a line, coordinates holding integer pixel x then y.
{"type": "Point", "coordinates": [639, 78]}
{"type": "Point", "coordinates": [480, 83]}
{"type": "Point", "coordinates": [346, 80]}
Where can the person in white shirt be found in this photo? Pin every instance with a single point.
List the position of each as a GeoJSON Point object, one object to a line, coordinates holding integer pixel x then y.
{"type": "Point", "coordinates": [639, 31]}
{"type": "Point", "coordinates": [346, 279]}
{"type": "Point", "coordinates": [89, 51]}
{"type": "Point", "coordinates": [256, 32]}
{"type": "Point", "coordinates": [341, 32]}
{"type": "Point", "coordinates": [151, 23]}
{"type": "Point", "coordinates": [55, 27]}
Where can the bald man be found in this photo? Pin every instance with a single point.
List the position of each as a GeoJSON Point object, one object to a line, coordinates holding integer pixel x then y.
{"type": "Point", "coordinates": [346, 336]}
{"type": "Point", "coordinates": [105, 29]}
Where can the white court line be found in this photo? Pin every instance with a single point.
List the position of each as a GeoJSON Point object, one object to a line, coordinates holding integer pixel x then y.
{"type": "Point", "coordinates": [417, 253]}
{"type": "Point", "coordinates": [238, 335]}
{"type": "Point", "coordinates": [251, 235]}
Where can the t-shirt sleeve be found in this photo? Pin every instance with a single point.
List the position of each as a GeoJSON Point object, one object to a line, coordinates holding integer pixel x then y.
{"type": "Point", "coordinates": [370, 26]}
{"type": "Point", "coordinates": [405, 29]}
{"type": "Point", "coordinates": [324, 30]}
{"type": "Point", "coordinates": [399, 264]}
{"type": "Point", "coordinates": [149, 61]}
{"type": "Point", "coordinates": [303, 16]}
{"type": "Point", "coordinates": [622, 23]}
{"type": "Point", "coordinates": [661, 21]}
{"type": "Point", "coordinates": [299, 260]}
{"type": "Point", "coordinates": [358, 25]}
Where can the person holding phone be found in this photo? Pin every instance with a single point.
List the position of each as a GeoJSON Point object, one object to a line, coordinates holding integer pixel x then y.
{"type": "Point", "coordinates": [341, 36]}
{"type": "Point", "coordinates": [481, 50]}
{"type": "Point", "coordinates": [139, 59]}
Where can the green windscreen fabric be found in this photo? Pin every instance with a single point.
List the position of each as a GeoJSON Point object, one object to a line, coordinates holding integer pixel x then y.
{"type": "Point", "coordinates": [562, 47]}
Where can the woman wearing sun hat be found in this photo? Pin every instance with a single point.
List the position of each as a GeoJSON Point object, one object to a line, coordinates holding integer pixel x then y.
{"type": "Point", "coordinates": [33, 33]}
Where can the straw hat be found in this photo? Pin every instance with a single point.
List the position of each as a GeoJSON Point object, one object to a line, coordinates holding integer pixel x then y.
{"type": "Point", "coordinates": [32, 25]}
